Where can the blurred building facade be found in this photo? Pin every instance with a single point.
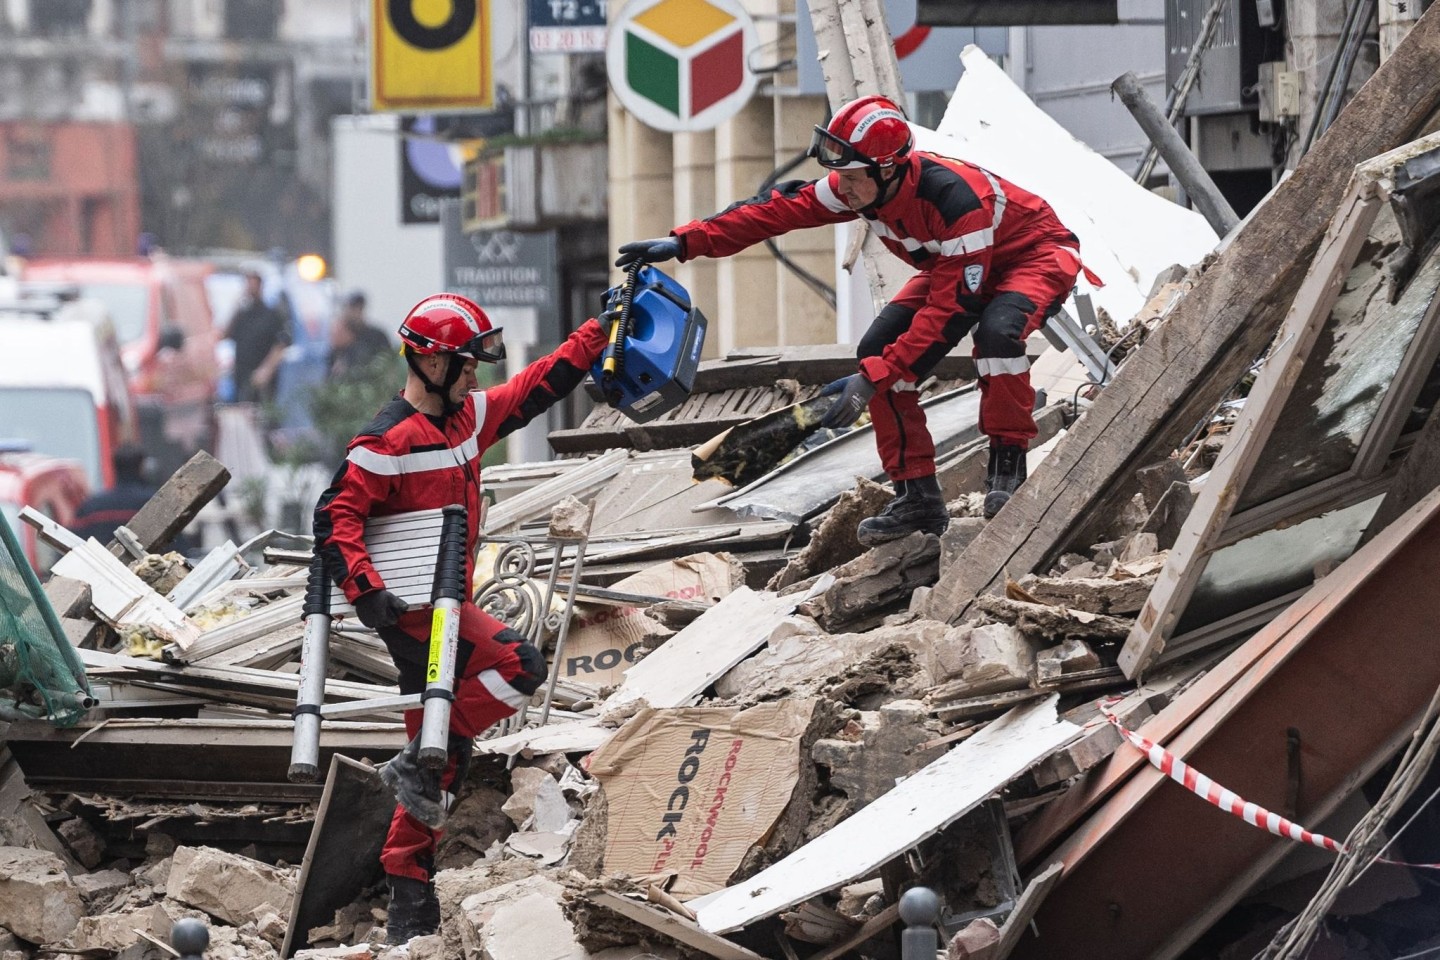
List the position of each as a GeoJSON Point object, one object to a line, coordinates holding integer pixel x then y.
{"type": "Point", "coordinates": [207, 121]}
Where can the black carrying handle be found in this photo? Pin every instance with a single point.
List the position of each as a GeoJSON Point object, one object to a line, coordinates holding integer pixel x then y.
{"type": "Point", "coordinates": [317, 588]}
{"type": "Point", "coordinates": [613, 364]}
{"type": "Point", "coordinates": [450, 564]}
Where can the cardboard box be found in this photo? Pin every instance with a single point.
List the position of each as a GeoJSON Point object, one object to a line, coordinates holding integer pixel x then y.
{"type": "Point", "coordinates": [690, 791]}
{"type": "Point", "coordinates": [603, 639]}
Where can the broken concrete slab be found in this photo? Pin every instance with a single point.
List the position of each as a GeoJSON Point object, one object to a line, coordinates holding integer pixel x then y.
{"type": "Point", "coordinates": [1051, 625]}
{"type": "Point", "coordinates": [525, 785]}
{"type": "Point", "coordinates": [117, 931]}
{"type": "Point", "coordinates": [1091, 594]}
{"type": "Point", "coordinates": [38, 900]}
{"type": "Point", "coordinates": [975, 660]}
{"type": "Point", "coordinates": [1072, 656]}
{"type": "Point", "coordinates": [918, 807]}
{"type": "Point", "coordinates": [834, 541]}
{"type": "Point", "coordinates": [102, 885]}
{"type": "Point", "coordinates": [802, 663]}
{"type": "Point", "coordinates": [519, 921]}
{"type": "Point", "coordinates": [978, 940]}
{"type": "Point", "coordinates": [879, 579]}
{"type": "Point", "coordinates": [227, 886]}
{"type": "Point", "coordinates": [886, 748]}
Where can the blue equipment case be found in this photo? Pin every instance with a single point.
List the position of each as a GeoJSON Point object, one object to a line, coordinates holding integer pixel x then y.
{"type": "Point", "coordinates": [653, 371]}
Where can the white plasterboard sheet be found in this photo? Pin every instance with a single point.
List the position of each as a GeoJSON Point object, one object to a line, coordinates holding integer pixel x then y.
{"type": "Point", "coordinates": [682, 667]}
{"type": "Point", "coordinates": [1127, 234]}
{"type": "Point", "coordinates": [918, 807]}
{"type": "Point", "coordinates": [676, 673]}
{"type": "Point", "coordinates": [579, 736]}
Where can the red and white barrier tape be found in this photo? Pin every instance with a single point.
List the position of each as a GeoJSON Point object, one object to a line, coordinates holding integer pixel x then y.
{"type": "Point", "coordinates": [1227, 800]}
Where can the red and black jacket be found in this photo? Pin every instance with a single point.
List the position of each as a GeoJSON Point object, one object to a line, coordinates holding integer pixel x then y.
{"type": "Point", "coordinates": [405, 461]}
{"type": "Point", "coordinates": [960, 222]}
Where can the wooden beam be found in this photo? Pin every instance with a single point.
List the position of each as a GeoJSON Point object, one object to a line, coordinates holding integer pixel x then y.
{"type": "Point", "coordinates": [1298, 337]}
{"type": "Point", "coordinates": [343, 855]}
{"type": "Point", "coordinates": [1212, 336]}
{"type": "Point", "coordinates": [671, 925]}
{"type": "Point", "coordinates": [176, 503]}
{"type": "Point", "coordinates": [1025, 908]}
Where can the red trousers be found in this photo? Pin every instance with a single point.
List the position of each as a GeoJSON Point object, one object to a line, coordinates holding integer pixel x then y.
{"type": "Point", "coordinates": [1025, 295]}
{"type": "Point", "coordinates": [492, 681]}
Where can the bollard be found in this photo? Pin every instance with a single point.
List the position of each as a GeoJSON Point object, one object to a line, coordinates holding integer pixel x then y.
{"type": "Point", "coordinates": [190, 937]}
{"type": "Point", "coordinates": [314, 661]}
{"type": "Point", "coordinates": [446, 595]}
{"type": "Point", "coordinates": [920, 909]}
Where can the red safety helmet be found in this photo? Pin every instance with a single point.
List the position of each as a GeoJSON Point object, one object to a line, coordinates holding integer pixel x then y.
{"type": "Point", "coordinates": [869, 132]}
{"type": "Point", "coordinates": [450, 323]}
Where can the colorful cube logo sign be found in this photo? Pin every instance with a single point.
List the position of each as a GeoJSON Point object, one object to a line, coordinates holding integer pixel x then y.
{"type": "Point", "coordinates": [679, 65]}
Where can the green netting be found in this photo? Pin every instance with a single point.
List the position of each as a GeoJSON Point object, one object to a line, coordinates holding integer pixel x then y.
{"type": "Point", "coordinates": [40, 675]}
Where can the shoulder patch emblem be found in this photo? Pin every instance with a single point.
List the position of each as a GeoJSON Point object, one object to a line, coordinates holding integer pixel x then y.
{"type": "Point", "coordinates": [974, 273]}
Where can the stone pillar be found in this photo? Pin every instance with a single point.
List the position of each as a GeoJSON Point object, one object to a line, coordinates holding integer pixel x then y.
{"type": "Point", "coordinates": [802, 315]}
{"type": "Point", "coordinates": [694, 199]}
{"type": "Point", "coordinates": [746, 301]}
{"type": "Point", "coordinates": [641, 179]}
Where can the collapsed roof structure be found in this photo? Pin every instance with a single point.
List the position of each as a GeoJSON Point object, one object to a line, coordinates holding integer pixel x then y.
{"type": "Point", "coordinates": [1226, 547]}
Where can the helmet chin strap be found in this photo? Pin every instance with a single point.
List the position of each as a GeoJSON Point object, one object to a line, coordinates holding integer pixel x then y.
{"type": "Point", "coordinates": [441, 390]}
{"type": "Point", "coordinates": [882, 185]}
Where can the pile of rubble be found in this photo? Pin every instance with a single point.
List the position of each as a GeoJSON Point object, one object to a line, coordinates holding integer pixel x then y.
{"type": "Point", "coordinates": [758, 734]}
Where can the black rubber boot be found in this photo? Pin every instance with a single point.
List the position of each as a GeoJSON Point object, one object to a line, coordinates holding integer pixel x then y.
{"type": "Point", "coordinates": [414, 911]}
{"type": "Point", "coordinates": [1004, 476]}
{"type": "Point", "coordinates": [416, 787]}
{"type": "Point", "coordinates": [430, 906]}
{"type": "Point", "coordinates": [918, 505]}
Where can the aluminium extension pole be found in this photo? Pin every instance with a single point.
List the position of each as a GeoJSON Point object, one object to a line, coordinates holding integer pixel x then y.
{"type": "Point", "coordinates": [446, 596]}
{"type": "Point", "coordinates": [314, 662]}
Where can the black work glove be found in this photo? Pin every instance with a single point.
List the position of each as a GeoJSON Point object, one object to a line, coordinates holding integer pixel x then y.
{"type": "Point", "coordinates": [855, 393]}
{"type": "Point", "coordinates": [648, 251]}
{"type": "Point", "coordinates": [379, 609]}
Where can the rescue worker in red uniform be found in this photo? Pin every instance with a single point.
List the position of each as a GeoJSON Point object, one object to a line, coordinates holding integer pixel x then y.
{"type": "Point", "coordinates": [993, 258]}
{"type": "Point", "coordinates": [422, 451]}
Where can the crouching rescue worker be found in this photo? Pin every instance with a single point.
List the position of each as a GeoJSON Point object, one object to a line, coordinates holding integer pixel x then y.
{"type": "Point", "coordinates": [422, 451]}
{"type": "Point", "coordinates": [993, 258]}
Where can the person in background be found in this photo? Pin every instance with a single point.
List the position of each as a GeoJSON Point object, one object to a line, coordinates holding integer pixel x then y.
{"type": "Point", "coordinates": [102, 512]}
{"type": "Point", "coordinates": [354, 340]}
{"type": "Point", "coordinates": [260, 334]}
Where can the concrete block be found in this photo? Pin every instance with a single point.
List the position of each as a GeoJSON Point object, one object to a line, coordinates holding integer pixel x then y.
{"type": "Point", "coordinates": [38, 900]}
{"type": "Point", "coordinates": [886, 750]}
{"type": "Point", "coordinates": [226, 886]}
{"type": "Point", "coordinates": [85, 844]}
{"type": "Point", "coordinates": [101, 886]}
{"type": "Point", "coordinates": [116, 931]}
{"type": "Point", "coordinates": [986, 659]}
{"type": "Point", "coordinates": [526, 783]}
{"type": "Point", "coordinates": [519, 921]}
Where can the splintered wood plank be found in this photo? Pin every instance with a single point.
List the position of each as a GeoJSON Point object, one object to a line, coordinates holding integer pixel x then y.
{"type": "Point", "coordinates": [343, 855]}
{"type": "Point", "coordinates": [1025, 907]}
{"type": "Point", "coordinates": [1211, 337]}
{"type": "Point", "coordinates": [1298, 337]}
{"type": "Point", "coordinates": [176, 503]}
{"type": "Point", "coordinates": [674, 926]}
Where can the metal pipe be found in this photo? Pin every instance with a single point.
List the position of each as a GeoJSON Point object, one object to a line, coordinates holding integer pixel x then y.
{"type": "Point", "coordinates": [564, 630]}
{"type": "Point", "coordinates": [314, 663]}
{"type": "Point", "coordinates": [1183, 164]}
{"type": "Point", "coordinates": [920, 910]}
{"type": "Point", "coordinates": [446, 596]}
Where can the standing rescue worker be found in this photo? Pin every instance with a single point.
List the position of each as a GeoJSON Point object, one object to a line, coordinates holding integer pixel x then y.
{"type": "Point", "coordinates": [422, 451]}
{"type": "Point", "coordinates": [992, 257]}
